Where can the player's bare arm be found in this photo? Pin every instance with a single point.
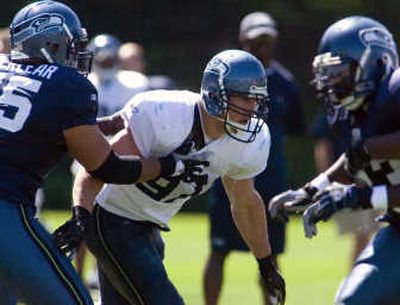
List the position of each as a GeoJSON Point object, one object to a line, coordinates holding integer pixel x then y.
{"type": "Point", "coordinates": [124, 145]}
{"type": "Point", "coordinates": [384, 147]}
{"type": "Point", "coordinates": [393, 196]}
{"type": "Point", "coordinates": [86, 187]}
{"type": "Point", "coordinates": [360, 152]}
{"type": "Point", "coordinates": [337, 172]}
{"type": "Point", "coordinates": [82, 139]}
{"type": "Point", "coordinates": [85, 190]}
{"type": "Point", "coordinates": [110, 125]}
{"type": "Point", "coordinates": [248, 212]}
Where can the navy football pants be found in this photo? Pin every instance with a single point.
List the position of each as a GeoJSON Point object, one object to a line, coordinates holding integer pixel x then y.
{"type": "Point", "coordinates": [32, 269]}
{"type": "Point", "coordinates": [375, 277]}
{"type": "Point", "coordinates": [130, 261]}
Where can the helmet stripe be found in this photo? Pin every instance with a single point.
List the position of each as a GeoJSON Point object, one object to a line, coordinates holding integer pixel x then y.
{"type": "Point", "coordinates": [68, 31]}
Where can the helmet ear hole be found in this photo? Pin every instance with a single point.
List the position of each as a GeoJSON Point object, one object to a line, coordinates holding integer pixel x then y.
{"type": "Point", "coordinates": [52, 47]}
{"type": "Point", "coordinates": [212, 95]}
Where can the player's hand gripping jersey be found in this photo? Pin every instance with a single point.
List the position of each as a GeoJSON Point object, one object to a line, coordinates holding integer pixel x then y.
{"type": "Point", "coordinates": [169, 121]}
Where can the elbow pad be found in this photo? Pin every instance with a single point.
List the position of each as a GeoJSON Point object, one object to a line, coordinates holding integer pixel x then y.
{"type": "Point", "coordinates": [118, 170]}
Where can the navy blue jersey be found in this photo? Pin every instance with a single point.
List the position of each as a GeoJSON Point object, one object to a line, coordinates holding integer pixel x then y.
{"type": "Point", "coordinates": [38, 102]}
{"type": "Point", "coordinates": [382, 117]}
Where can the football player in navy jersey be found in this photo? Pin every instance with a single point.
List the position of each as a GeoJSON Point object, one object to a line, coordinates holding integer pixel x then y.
{"type": "Point", "coordinates": [48, 108]}
{"type": "Point", "coordinates": [357, 68]}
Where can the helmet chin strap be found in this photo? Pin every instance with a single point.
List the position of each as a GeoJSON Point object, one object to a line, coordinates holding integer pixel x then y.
{"type": "Point", "coordinates": [242, 132]}
{"type": "Point", "coordinates": [232, 126]}
{"type": "Point", "coordinates": [234, 123]}
{"type": "Point", "coordinates": [46, 55]}
{"type": "Point", "coordinates": [353, 102]}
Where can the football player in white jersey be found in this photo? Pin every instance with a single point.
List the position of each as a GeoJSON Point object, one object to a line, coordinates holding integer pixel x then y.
{"type": "Point", "coordinates": [115, 86]}
{"type": "Point", "coordinates": [219, 133]}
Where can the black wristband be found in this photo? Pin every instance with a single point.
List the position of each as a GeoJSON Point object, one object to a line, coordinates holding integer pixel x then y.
{"type": "Point", "coordinates": [167, 166]}
{"type": "Point", "coordinates": [361, 151]}
{"type": "Point", "coordinates": [81, 217]}
{"type": "Point", "coordinates": [311, 190]}
{"type": "Point", "coordinates": [80, 212]}
{"type": "Point", "coordinates": [118, 170]}
{"type": "Point", "coordinates": [365, 197]}
{"type": "Point", "coordinates": [265, 262]}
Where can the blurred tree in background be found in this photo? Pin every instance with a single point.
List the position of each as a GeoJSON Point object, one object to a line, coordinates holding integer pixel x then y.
{"type": "Point", "coordinates": [180, 36]}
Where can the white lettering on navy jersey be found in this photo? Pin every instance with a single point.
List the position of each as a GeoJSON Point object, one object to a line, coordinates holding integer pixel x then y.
{"type": "Point", "coordinates": [43, 70]}
{"type": "Point", "coordinates": [15, 103]}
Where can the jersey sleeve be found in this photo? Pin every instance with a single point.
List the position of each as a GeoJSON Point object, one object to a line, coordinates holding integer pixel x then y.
{"type": "Point", "coordinates": [252, 158]}
{"type": "Point", "coordinates": [80, 102]}
{"type": "Point", "coordinates": [158, 124]}
{"type": "Point", "coordinates": [319, 127]}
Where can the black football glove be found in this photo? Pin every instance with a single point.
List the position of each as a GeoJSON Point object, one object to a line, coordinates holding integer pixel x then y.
{"type": "Point", "coordinates": [171, 166]}
{"type": "Point", "coordinates": [357, 157]}
{"type": "Point", "coordinates": [282, 204]}
{"type": "Point", "coordinates": [335, 198]}
{"type": "Point", "coordinates": [194, 171]}
{"type": "Point", "coordinates": [69, 235]}
{"type": "Point", "coordinates": [272, 280]}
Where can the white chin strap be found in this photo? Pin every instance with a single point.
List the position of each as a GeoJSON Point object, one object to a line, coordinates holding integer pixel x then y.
{"type": "Point", "coordinates": [351, 102]}
{"type": "Point", "coordinates": [46, 55]}
{"type": "Point", "coordinates": [236, 124]}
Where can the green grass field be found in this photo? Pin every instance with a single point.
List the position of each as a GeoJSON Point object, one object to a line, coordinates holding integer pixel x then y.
{"type": "Point", "coordinates": [313, 268]}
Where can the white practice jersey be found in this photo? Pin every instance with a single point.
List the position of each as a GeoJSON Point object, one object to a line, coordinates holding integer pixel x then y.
{"type": "Point", "coordinates": [117, 89]}
{"type": "Point", "coordinates": [160, 122]}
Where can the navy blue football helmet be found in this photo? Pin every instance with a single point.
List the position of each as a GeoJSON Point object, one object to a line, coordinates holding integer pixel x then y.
{"type": "Point", "coordinates": [355, 54]}
{"type": "Point", "coordinates": [49, 31]}
{"type": "Point", "coordinates": [235, 72]}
